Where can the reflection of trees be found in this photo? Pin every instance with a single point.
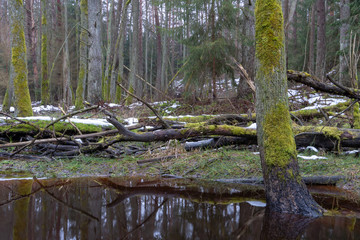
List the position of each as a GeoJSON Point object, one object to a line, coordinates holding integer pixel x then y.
{"type": "Point", "coordinates": [63, 210]}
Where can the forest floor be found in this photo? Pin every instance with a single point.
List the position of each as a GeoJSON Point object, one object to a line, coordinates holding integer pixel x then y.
{"type": "Point", "coordinates": [170, 159]}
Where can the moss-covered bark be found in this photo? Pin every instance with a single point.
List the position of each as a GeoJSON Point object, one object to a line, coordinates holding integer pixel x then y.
{"type": "Point", "coordinates": [18, 60]}
{"type": "Point", "coordinates": [83, 55]}
{"type": "Point", "coordinates": [285, 191]}
{"type": "Point", "coordinates": [45, 90]}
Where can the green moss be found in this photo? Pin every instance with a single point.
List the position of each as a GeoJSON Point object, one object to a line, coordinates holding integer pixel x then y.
{"type": "Point", "coordinates": [45, 91]}
{"type": "Point", "coordinates": [80, 89]}
{"type": "Point", "coordinates": [58, 127]}
{"type": "Point", "coordinates": [331, 132]}
{"type": "Point", "coordinates": [356, 116]}
{"type": "Point", "coordinates": [19, 63]}
{"type": "Point", "coordinates": [269, 34]}
{"type": "Point", "coordinates": [279, 142]}
{"type": "Point", "coordinates": [6, 102]}
{"type": "Point", "coordinates": [191, 119]}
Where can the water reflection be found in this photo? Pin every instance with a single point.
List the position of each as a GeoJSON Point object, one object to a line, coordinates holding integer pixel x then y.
{"type": "Point", "coordinates": [104, 208]}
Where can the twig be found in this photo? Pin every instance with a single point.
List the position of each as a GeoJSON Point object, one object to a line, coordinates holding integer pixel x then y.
{"type": "Point", "coordinates": [297, 119]}
{"type": "Point", "coordinates": [163, 122]}
{"type": "Point", "coordinates": [337, 115]}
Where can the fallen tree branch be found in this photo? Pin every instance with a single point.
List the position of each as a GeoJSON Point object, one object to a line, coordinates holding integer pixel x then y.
{"type": "Point", "coordinates": [315, 83]}
{"type": "Point", "coordinates": [164, 123]}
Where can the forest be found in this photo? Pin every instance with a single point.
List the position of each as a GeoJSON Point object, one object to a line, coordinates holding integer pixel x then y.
{"type": "Point", "coordinates": [153, 48]}
{"type": "Point", "coordinates": [104, 86]}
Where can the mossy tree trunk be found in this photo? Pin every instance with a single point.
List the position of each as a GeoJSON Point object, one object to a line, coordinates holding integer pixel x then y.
{"type": "Point", "coordinates": [67, 92]}
{"type": "Point", "coordinates": [18, 60]}
{"type": "Point", "coordinates": [109, 33]}
{"type": "Point", "coordinates": [285, 190]}
{"type": "Point", "coordinates": [83, 55]}
{"type": "Point", "coordinates": [45, 90]}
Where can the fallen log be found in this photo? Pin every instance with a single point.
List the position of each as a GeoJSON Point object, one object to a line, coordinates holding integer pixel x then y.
{"type": "Point", "coordinates": [312, 81]}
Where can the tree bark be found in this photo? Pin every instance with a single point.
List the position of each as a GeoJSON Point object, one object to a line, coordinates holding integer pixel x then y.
{"type": "Point", "coordinates": [321, 40]}
{"type": "Point", "coordinates": [18, 60]}
{"type": "Point", "coordinates": [95, 54]}
{"type": "Point", "coordinates": [134, 57]}
{"type": "Point", "coordinates": [45, 90]}
{"type": "Point", "coordinates": [285, 190]}
{"type": "Point", "coordinates": [311, 61]}
{"type": "Point", "coordinates": [344, 42]}
{"type": "Point", "coordinates": [83, 60]}
{"type": "Point", "coordinates": [67, 93]}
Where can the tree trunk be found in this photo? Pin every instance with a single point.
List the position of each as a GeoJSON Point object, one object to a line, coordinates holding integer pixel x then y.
{"type": "Point", "coordinates": [344, 42]}
{"type": "Point", "coordinates": [311, 61]}
{"type": "Point", "coordinates": [83, 60]}
{"type": "Point", "coordinates": [32, 40]}
{"type": "Point", "coordinates": [134, 57]}
{"type": "Point", "coordinates": [18, 60]}
{"type": "Point", "coordinates": [122, 35]}
{"type": "Point", "coordinates": [45, 90]}
{"type": "Point", "coordinates": [107, 74]}
{"type": "Point", "coordinates": [285, 190]}
{"type": "Point", "coordinates": [158, 52]}
{"type": "Point", "coordinates": [321, 40]}
{"type": "Point", "coordinates": [164, 62]}
{"type": "Point", "coordinates": [67, 93]}
{"type": "Point", "coordinates": [95, 53]}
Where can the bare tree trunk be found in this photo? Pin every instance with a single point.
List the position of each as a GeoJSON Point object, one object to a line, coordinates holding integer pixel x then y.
{"type": "Point", "coordinates": [67, 94]}
{"type": "Point", "coordinates": [321, 40]}
{"type": "Point", "coordinates": [32, 39]}
{"type": "Point", "coordinates": [164, 62]}
{"type": "Point", "coordinates": [311, 62]}
{"type": "Point", "coordinates": [106, 80]}
{"type": "Point", "coordinates": [158, 52]}
{"type": "Point", "coordinates": [95, 55]}
{"type": "Point", "coordinates": [140, 70]}
{"type": "Point", "coordinates": [134, 57]}
{"type": "Point", "coordinates": [344, 42]}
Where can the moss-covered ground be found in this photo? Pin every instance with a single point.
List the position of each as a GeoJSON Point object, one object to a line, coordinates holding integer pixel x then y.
{"type": "Point", "coordinates": [224, 163]}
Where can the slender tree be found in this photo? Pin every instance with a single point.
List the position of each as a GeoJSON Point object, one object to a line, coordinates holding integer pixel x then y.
{"type": "Point", "coordinates": [321, 39]}
{"type": "Point", "coordinates": [134, 57]}
{"type": "Point", "coordinates": [95, 54]}
{"type": "Point", "coordinates": [285, 190]}
{"type": "Point", "coordinates": [45, 90]}
{"type": "Point", "coordinates": [83, 60]}
{"type": "Point", "coordinates": [18, 60]}
{"type": "Point", "coordinates": [344, 41]}
{"type": "Point", "coordinates": [67, 93]}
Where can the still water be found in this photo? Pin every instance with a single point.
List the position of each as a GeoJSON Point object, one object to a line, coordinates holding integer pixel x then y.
{"type": "Point", "coordinates": [112, 208]}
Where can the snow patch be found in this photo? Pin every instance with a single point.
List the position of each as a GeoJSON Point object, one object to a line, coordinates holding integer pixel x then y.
{"type": "Point", "coordinates": [256, 203]}
{"type": "Point", "coordinates": [312, 157]}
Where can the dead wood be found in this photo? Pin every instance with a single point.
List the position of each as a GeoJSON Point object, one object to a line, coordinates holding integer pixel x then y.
{"type": "Point", "coordinates": [159, 159]}
{"type": "Point", "coordinates": [315, 83]}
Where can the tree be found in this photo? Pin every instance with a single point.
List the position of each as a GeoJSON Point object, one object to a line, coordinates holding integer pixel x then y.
{"type": "Point", "coordinates": [45, 90]}
{"type": "Point", "coordinates": [95, 54]}
{"type": "Point", "coordinates": [67, 93]}
{"type": "Point", "coordinates": [82, 55]}
{"type": "Point", "coordinates": [344, 41]}
{"type": "Point", "coordinates": [285, 190]}
{"type": "Point", "coordinates": [134, 57]}
{"type": "Point", "coordinates": [321, 39]}
{"type": "Point", "coordinates": [18, 60]}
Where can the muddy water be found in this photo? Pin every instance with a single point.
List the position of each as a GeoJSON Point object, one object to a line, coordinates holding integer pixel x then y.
{"type": "Point", "coordinates": [110, 208]}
